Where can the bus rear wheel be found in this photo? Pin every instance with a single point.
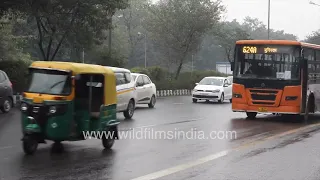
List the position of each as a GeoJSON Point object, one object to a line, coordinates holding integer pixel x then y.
{"type": "Point", "coordinates": [251, 115]}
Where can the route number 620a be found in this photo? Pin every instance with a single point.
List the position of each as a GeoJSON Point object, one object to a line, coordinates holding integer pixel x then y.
{"type": "Point", "coordinates": [249, 49]}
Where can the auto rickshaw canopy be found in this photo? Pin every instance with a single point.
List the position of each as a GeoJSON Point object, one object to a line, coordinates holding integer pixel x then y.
{"type": "Point", "coordinates": [110, 91]}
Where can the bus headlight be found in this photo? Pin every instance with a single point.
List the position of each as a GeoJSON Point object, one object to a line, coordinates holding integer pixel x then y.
{"type": "Point", "coordinates": [52, 109]}
{"type": "Point", "coordinates": [236, 95]}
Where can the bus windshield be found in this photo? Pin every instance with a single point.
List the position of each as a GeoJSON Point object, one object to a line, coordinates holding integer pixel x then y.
{"type": "Point", "coordinates": [267, 62]}
{"type": "Point", "coordinates": [45, 81]}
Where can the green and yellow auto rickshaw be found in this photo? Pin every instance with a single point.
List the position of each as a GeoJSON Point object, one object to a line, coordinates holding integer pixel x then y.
{"type": "Point", "coordinates": [66, 102]}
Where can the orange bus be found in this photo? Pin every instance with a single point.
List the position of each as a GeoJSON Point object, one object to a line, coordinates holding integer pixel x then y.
{"type": "Point", "coordinates": [276, 76]}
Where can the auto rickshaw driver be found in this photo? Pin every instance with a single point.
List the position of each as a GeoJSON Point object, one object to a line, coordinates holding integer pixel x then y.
{"type": "Point", "coordinates": [64, 100]}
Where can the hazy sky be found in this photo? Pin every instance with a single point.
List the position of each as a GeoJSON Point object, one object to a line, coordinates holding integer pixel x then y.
{"type": "Point", "coordinates": [293, 16]}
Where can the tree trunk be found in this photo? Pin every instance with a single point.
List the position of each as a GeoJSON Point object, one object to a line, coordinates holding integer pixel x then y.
{"type": "Point", "coordinates": [178, 71]}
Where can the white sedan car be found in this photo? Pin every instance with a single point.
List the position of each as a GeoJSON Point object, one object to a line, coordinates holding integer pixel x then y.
{"type": "Point", "coordinates": [213, 88]}
{"type": "Point", "coordinates": [145, 89]}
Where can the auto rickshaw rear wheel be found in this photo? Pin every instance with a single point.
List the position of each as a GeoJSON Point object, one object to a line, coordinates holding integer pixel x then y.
{"type": "Point", "coordinates": [57, 147]}
{"type": "Point", "coordinates": [107, 143]}
{"type": "Point", "coordinates": [29, 145]}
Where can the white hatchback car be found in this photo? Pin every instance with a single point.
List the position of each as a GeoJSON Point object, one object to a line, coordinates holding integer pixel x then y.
{"type": "Point", "coordinates": [146, 90]}
{"type": "Point", "coordinates": [213, 88]}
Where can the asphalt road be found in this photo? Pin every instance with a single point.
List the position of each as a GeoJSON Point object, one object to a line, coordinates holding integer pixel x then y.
{"type": "Point", "coordinates": [270, 147]}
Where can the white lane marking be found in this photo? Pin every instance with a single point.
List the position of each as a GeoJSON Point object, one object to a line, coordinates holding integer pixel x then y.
{"type": "Point", "coordinates": [6, 147]}
{"type": "Point", "coordinates": [154, 125]}
{"type": "Point", "coordinates": [182, 167]}
{"type": "Point", "coordinates": [178, 103]}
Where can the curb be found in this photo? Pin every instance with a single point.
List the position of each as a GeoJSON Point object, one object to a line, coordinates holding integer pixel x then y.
{"type": "Point", "coordinates": [160, 93]}
{"type": "Point", "coordinates": [178, 92]}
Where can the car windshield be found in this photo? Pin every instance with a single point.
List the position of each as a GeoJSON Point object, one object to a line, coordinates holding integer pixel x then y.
{"type": "Point", "coordinates": [277, 62]}
{"type": "Point", "coordinates": [49, 82]}
{"type": "Point", "coordinates": [211, 81]}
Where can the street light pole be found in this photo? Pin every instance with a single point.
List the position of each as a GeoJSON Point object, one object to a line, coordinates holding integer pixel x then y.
{"type": "Point", "coordinates": [145, 50]}
{"type": "Point", "coordinates": [268, 19]}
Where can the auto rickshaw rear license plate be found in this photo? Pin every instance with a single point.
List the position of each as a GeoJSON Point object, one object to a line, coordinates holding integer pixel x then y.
{"type": "Point", "coordinates": [262, 109]}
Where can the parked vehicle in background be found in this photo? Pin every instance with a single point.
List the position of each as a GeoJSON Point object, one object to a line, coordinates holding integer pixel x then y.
{"type": "Point", "coordinates": [6, 93]}
{"type": "Point", "coordinates": [145, 89]}
{"type": "Point", "coordinates": [213, 88]}
{"type": "Point", "coordinates": [126, 96]}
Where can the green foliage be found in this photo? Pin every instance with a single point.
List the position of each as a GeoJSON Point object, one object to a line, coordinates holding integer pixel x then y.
{"type": "Point", "coordinates": [100, 55]}
{"type": "Point", "coordinates": [10, 46]}
{"type": "Point", "coordinates": [314, 38]}
{"type": "Point", "coordinates": [68, 23]}
{"type": "Point", "coordinates": [229, 33]}
{"type": "Point", "coordinates": [178, 26]}
{"type": "Point", "coordinates": [257, 30]}
{"type": "Point", "coordinates": [174, 32]}
{"type": "Point", "coordinates": [18, 73]}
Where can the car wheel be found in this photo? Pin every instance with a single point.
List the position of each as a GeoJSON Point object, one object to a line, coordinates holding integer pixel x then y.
{"type": "Point", "coordinates": [230, 100]}
{"type": "Point", "coordinates": [152, 102]}
{"type": "Point", "coordinates": [194, 100]}
{"type": "Point", "coordinates": [6, 106]}
{"type": "Point", "coordinates": [130, 110]}
{"type": "Point", "coordinates": [221, 100]}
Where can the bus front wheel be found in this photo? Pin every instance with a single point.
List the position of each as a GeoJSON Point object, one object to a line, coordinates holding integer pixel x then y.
{"type": "Point", "coordinates": [251, 115]}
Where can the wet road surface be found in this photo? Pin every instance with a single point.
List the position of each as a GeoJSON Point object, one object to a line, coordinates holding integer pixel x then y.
{"type": "Point", "coordinates": [258, 151]}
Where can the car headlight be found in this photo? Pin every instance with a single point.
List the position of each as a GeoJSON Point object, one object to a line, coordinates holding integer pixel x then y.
{"type": "Point", "coordinates": [24, 107]}
{"type": "Point", "coordinates": [216, 91]}
{"type": "Point", "coordinates": [52, 109]}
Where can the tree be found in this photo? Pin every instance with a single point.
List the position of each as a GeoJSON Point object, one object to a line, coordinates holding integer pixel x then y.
{"type": "Point", "coordinates": [68, 22]}
{"type": "Point", "coordinates": [313, 38]}
{"type": "Point", "coordinates": [131, 21]}
{"type": "Point", "coordinates": [229, 33]}
{"type": "Point", "coordinates": [10, 45]}
{"type": "Point", "coordinates": [179, 26]}
{"type": "Point", "coordinates": [257, 30]}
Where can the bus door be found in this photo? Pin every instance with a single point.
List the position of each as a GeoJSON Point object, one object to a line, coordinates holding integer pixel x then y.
{"type": "Point", "coordinates": [304, 82]}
